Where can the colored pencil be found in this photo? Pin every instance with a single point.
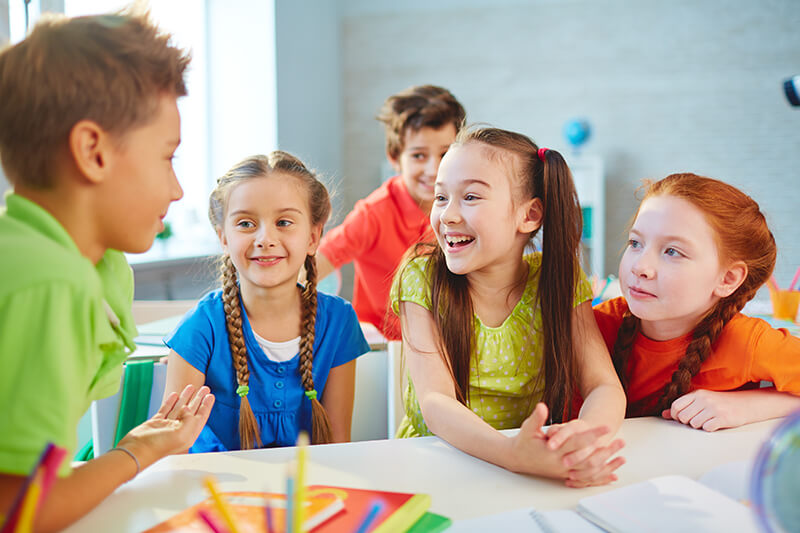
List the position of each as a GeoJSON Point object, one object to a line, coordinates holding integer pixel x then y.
{"type": "Point", "coordinates": [210, 522]}
{"type": "Point", "coordinates": [300, 482]}
{"type": "Point", "coordinates": [290, 525]}
{"type": "Point", "coordinates": [28, 511]}
{"type": "Point", "coordinates": [372, 514]}
{"type": "Point", "coordinates": [794, 279]}
{"type": "Point", "coordinates": [268, 516]}
{"type": "Point", "coordinates": [222, 507]}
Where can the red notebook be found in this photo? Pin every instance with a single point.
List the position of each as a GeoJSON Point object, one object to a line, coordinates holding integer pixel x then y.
{"type": "Point", "coordinates": [400, 510]}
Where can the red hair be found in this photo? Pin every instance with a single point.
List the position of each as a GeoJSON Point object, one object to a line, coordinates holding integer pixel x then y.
{"type": "Point", "coordinates": [741, 233]}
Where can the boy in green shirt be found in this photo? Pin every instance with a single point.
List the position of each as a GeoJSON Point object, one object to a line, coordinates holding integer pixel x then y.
{"type": "Point", "coordinates": [88, 127]}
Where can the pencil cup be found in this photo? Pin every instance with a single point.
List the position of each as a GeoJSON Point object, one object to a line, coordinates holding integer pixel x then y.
{"type": "Point", "coordinates": [784, 304]}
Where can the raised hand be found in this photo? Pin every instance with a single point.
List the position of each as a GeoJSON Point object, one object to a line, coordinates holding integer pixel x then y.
{"type": "Point", "coordinates": [173, 429]}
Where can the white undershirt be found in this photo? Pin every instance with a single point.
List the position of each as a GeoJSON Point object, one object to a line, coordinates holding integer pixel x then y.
{"type": "Point", "coordinates": [280, 352]}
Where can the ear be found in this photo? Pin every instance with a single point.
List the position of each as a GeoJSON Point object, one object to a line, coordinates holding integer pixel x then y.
{"type": "Point", "coordinates": [731, 280]}
{"type": "Point", "coordinates": [90, 147]}
{"type": "Point", "coordinates": [314, 239]}
{"type": "Point", "coordinates": [223, 241]}
{"type": "Point", "coordinates": [395, 162]}
{"type": "Point", "coordinates": [532, 215]}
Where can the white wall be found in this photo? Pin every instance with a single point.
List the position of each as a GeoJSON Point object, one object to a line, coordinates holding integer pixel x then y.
{"type": "Point", "coordinates": [676, 86]}
{"type": "Point", "coordinates": [308, 75]}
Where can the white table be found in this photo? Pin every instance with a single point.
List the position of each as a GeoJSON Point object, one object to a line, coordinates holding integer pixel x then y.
{"type": "Point", "coordinates": [460, 485]}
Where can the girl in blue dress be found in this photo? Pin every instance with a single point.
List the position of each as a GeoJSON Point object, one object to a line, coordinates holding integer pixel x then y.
{"type": "Point", "coordinates": [279, 356]}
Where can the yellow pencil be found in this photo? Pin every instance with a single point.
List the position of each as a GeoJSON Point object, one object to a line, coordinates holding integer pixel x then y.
{"type": "Point", "coordinates": [300, 481]}
{"type": "Point", "coordinates": [222, 507]}
{"type": "Point", "coordinates": [28, 510]}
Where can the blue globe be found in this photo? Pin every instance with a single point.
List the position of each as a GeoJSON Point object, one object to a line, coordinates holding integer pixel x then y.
{"type": "Point", "coordinates": [577, 131]}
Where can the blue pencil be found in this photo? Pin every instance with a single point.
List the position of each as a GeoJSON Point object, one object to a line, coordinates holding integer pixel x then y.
{"type": "Point", "coordinates": [291, 527]}
{"type": "Point", "coordinates": [372, 514]}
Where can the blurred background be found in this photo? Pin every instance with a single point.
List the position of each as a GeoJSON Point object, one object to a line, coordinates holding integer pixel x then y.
{"type": "Point", "coordinates": [684, 85]}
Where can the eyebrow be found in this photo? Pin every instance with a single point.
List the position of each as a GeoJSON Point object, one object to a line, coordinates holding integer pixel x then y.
{"type": "Point", "coordinates": [247, 212]}
{"type": "Point", "coordinates": [473, 181]}
{"type": "Point", "coordinates": [420, 148]}
{"type": "Point", "coordinates": [675, 238]}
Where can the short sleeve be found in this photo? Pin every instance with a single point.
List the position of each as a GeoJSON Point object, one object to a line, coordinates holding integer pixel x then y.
{"type": "Point", "coordinates": [776, 358]}
{"type": "Point", "coordinates": [352, 343]}
{"type": "Point", "coordinates": [47, 367]}
{"type": "Point", "coordinates": [352, 238]}
{"type": "Point", "coordinates": [411, 284]}
{"type": "Point", "coordinates": [193, 339]}
{"type": "Point", "coordinates": [583, 289]}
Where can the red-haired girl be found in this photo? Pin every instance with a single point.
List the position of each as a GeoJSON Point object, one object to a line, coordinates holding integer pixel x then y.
{"type": "Point", "coordinates": [698, 250]}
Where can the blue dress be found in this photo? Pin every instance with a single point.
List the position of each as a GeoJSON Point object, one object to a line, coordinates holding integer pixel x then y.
{"type": "Point", "coordinates": [276, 392]}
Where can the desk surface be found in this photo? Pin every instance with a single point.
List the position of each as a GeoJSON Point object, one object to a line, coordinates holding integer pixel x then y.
{"type": "Point", "coordinates": [460, 485]}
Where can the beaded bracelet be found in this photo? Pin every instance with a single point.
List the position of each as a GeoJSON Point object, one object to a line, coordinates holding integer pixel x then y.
{"type": "Point", "coordinates": [130, 453]}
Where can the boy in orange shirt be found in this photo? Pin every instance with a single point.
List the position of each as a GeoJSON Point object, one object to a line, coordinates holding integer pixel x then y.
{"type": "Point", "coordinates": [421, 123]}
{"type": "Point", "coordinates": [698, 250]}
{"type": "Point", "coordinates": [88, 126]}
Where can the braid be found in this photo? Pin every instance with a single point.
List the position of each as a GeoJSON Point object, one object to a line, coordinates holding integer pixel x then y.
{"type": "Point", "coordinates": [705, 335]}
{"type": "Point", "coordinates": [628, 330]}
{"type": "Point", "coordinates": [320, 424]}
{"type": "Point", "coordinates": [248, 426]}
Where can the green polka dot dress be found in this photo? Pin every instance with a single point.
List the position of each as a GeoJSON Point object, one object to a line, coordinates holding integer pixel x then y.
{"type": "Point", "coordinates": [503, 387]}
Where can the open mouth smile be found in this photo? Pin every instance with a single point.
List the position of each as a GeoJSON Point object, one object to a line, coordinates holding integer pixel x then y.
{"type": "Point", "coordinates": [455, 242]}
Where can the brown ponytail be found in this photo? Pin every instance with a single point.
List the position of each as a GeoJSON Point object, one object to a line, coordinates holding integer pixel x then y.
{"type": "Point", "coordinates": [557, 280]}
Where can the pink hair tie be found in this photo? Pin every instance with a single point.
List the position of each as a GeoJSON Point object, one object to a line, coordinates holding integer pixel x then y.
{"type": "Point", "coordinates": [542, 153]}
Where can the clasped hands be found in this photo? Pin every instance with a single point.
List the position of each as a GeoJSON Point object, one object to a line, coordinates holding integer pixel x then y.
{"type": "Point", "coordinates": [572, 451]}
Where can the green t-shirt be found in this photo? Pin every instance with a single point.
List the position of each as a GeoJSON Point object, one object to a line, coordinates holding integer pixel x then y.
{"type": "Point", "coordinates": [59, 350]}
{"type": "Point", "coordinates": [504, 386]}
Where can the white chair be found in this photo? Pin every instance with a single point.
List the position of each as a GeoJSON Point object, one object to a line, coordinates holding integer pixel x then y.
{"type": "Point", "coordinates": [105, 412]}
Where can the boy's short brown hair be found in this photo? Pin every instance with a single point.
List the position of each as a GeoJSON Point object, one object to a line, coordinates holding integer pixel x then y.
{"type": "Point", "coordinates": [415, 108]}
{"type": "Point", "coordinates": [110, 69]}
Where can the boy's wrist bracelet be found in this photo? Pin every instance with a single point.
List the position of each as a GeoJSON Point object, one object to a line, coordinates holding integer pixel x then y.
{"type": "Point", "coordinates": [130, 453]}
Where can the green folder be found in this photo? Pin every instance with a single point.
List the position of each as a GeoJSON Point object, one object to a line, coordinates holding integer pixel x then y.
{"type": "Point", "coordinates": [430, 523]}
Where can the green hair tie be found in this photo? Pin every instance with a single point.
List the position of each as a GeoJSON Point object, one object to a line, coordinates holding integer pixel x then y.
{"type": "Point", "coordinates": [311, 394]}
{"type": "Point", "coordinates": [242, 390]}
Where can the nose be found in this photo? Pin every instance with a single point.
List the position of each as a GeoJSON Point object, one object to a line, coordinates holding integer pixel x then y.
{"type": "Point", "coordinates": [642, 266]}
{"type": "Point", "coordinates": [263, 237]}
{"type": "Point", "coordinates": [176, 192]}
{"type": "Point", "coordinates": [432, 165]}
{"type": "Point", "coordinates": [451, 213]}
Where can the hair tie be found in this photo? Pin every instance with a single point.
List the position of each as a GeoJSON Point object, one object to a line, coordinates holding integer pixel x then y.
{"type": "Point", "coordinates": [242, 390]}
{"type": "Point", "coordinates": [311, 394]}
{"type": "Point", "coordinates": [542, 153]}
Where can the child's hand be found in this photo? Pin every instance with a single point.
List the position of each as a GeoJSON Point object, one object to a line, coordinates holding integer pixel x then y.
{"type": "Point", "coordinates": [173, 429]}
{"type": "Point", "coordinates": [709, 410]}
{"type": "Point", "coordinates": [583, 453]}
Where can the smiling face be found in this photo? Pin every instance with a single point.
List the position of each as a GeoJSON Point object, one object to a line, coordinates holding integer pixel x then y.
{"type": "Point", "coordinates": [419, 161]}
{"type": "Point", "coordinates": [142, 183]}
{"type": "Point", "coordinates": [475, 220]}
{"type": "Point", "coordinates": [671, 273]}
{"type": "Point", "coordinates": [267, 230]}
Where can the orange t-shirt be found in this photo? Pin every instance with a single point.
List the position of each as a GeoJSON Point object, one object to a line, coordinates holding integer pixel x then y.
{"type": "Point", "coordinates": [747, 351]}
{"type": "Point", "coordinates": [375, 235]}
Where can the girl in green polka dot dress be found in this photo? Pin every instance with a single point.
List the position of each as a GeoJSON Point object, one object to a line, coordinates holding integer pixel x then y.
{"type": "Point", "coordinates": [492, 337]}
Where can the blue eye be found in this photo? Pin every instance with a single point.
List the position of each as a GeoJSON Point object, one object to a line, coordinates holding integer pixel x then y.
{"type": "Point", "coordinates": [672, 252]}
{"type": "Point", "coordinates": [284, 223]}
{"type": "Point", "coordinates": [633, 243]}
{"type": "Point", "coordinates": [246, 224]}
